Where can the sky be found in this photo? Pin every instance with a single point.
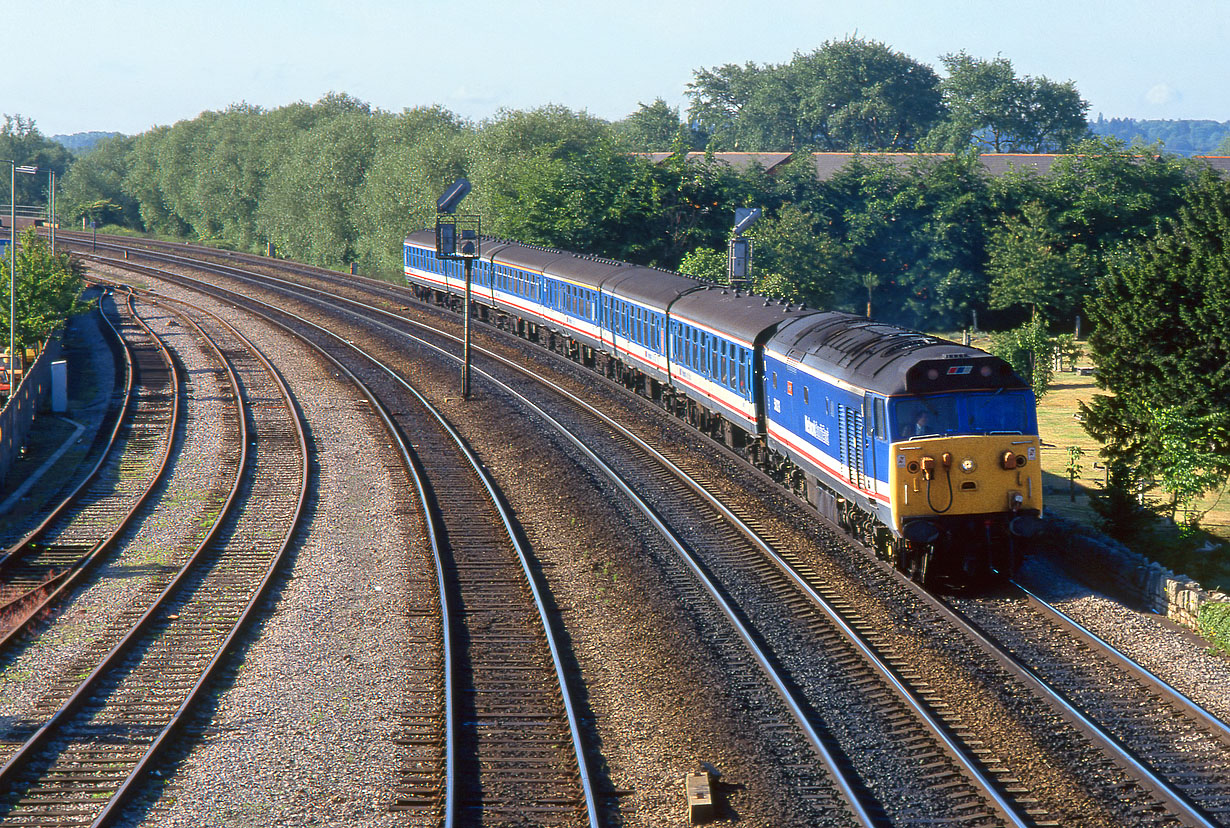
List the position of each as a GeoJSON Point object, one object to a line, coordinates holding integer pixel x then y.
{"type": "Point", "coordinates": [129, 65]}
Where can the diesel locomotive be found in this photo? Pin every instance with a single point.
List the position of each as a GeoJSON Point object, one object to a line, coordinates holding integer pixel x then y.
{"type": "Point", "coordinates": [926, 450]}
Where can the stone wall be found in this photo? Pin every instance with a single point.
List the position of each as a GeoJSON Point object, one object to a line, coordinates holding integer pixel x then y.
{"type": "Point", "coordinates": [1107, 565]}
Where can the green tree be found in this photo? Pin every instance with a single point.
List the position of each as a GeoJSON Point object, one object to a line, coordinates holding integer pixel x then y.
{"type": "Point", "coordinates": [1161, 337]}
{"type": "Point", "coordinates": [48, 290]}
{"type": "Point", "coordinates": [1119, 507]}
{"type": "Point", "coordinates": [857, 94]}
{"type": "Point", "coordinates": [705, 263]}
{"type": "Point", "coordinates": [794, 259]}
{"type": "Point", "coordinates": [306, 209]}
{"type": "Point", "coordinates": [21, 141]}
{"type": "Point", "coordinates": [143, 184]}
{"type": "Point", "coordinates": [1030, 350]}
{"type": "Point", "coordinates": [719, 96]}
{"type": "Point", "coordinates": [989, 107]}
{"type": "Point", "coordinates": [418, 153]}
{"type": "Point", "coordinates": [1187, 460]}
{"type": "Point", "coordinates": [652, 128]}
{"type": "Point", "coordinates": [911, 237]}
{"type": "Point", "coordinates": [850, 94]}
{"type": "Point", "coordinates": [1029, 265]}
{"type": "Point", "coordinates": [94, 186]}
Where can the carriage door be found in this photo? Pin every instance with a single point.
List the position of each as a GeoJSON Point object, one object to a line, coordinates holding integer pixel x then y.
{"type": "Point", "coordinates": [850, 421]}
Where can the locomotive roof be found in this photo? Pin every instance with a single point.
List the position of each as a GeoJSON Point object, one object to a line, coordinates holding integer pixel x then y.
{"type": "Point", "coordinates": [745, 316]}
{"type": "Point", "coordinates": [656, 289]}
{"type": "Point", "coordinates": [888, 359]}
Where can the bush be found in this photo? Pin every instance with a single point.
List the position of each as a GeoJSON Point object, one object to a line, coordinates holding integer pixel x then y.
{"type": "Point", "coordinates": [1120, 512]}
{"type": "Point", "coordinates": [1214, 623]}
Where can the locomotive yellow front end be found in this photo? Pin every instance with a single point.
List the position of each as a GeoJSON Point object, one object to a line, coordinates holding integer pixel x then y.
{"type": "Point", "coordinates": [973, 495]}
{"type": "Point", "coordinates": [965, 475]}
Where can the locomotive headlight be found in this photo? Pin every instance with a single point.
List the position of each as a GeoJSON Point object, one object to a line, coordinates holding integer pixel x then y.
{"type": "Point", "coordinates": [968, 465]}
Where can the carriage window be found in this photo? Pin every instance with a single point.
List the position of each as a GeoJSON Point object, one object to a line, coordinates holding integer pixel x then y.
{"type": "Point", "coordinates": [775, 379]}
{"type": "Point", "coordinates": [805, 395]}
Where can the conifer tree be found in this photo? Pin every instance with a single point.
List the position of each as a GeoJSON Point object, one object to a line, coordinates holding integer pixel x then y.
{"type": "Point", "coordinates": [1162, 335]}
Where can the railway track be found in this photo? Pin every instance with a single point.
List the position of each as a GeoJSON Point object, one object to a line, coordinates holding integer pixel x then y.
{"type": "Point", "coordinates": [1129, 796]}
{"type": "Point", "coordinates": [109, 718]}
{"type": "Point", "coordinates": [1172, 735]}
{"type": "Point", "coordinates": [510, 745]}
{"type": "Point", "coordinates": [949, 785]}
{"type": "Point", "coordinates": [56, 554]}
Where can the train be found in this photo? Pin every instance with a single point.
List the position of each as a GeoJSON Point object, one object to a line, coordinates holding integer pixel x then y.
{"type": "Point", "coordinates": [923, 449]}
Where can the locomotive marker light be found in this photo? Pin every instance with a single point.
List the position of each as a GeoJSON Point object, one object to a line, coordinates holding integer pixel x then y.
{"type": "Point", "coordinates": [739, 262]}
{"type": "Point", "coordinates": [457, 237]}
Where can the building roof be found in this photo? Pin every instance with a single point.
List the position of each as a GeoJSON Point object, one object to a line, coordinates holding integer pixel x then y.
{"type": "Point", "coordinates": [828, 164]}
{"type": "Point", "coordinates": [738, 160]}
{"type": "Point", "coordinates": [1219, 163]}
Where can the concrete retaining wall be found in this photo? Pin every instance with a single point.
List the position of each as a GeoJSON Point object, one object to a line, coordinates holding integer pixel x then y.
{"type": "Point", "coordinates": [19, 413]}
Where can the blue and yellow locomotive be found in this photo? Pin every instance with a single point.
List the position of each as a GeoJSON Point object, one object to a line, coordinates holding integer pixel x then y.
{"type": "Point", "coordinates": [926, 450]}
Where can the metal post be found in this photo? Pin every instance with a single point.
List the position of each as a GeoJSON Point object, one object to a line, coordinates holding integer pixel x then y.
{"type": "Point", "coordinates": [51, 198]}
{"type": "Point", "coordinates": [465, 362]}
{"type": "Point", "coordinates": [13, 277]}
{"type": "Point", "coordinates": [459, 237]}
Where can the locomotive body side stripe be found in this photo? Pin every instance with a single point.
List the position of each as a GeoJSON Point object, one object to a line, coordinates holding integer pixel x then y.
{"type": "Point", "coordinates": [798, 445]}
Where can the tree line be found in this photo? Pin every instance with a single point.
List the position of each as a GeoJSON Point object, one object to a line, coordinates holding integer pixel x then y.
{"type": "Point", "coordinates": [934, 244]}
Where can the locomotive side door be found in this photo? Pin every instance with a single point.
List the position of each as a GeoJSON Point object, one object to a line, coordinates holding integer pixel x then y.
{"type": "Point", "coordinates": [873, 431]}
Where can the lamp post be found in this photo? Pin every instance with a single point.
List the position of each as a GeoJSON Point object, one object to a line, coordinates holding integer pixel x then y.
{"type": "Point", "coordinates": [12, 268]}
{"type": "Point", "coordinates": [457, 237]}
{"type": "Point", "coordinates": [14, 168]}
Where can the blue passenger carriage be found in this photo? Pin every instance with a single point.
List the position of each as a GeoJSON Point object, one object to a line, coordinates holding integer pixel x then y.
{"type": "Point", "coordinates": [636, 302]}
{"type": "Point", "coordinates": [716, 340]}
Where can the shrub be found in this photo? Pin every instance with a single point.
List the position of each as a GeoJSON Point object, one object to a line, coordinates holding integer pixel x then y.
{"type": "Point", "coordinates": [1214, 622]}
